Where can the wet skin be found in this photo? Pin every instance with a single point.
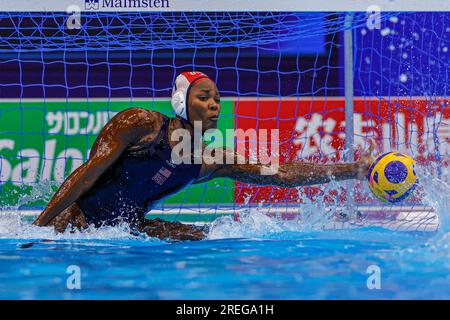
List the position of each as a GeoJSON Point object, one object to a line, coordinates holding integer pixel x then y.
{"type": "Point", "coordinates": [135, 128]}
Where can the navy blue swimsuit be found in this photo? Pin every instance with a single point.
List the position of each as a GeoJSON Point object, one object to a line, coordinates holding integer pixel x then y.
{"type": "Point", "coordinates": [136, 181]}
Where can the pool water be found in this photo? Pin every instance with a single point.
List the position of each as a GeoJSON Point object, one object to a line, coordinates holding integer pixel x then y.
{"type": "Point", "coordinates": [247, 259]}
{"type": "Point", "coordinates": [323, 265]}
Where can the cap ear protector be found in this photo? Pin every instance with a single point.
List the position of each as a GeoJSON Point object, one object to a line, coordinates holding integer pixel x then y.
{"type": "Point", "coordinates": [179, 104]}
{"type": "Point", "coordinates": [180, 91]}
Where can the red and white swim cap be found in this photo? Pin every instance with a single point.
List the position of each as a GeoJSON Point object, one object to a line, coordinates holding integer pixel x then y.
{"type": "Point", "coordinates": [180, 92]}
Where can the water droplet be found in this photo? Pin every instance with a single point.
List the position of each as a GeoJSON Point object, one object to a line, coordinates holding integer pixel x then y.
{"type": "Point", "coordinates": [403, 77]}
{"type": "Point", "coordinates": [393, 19]}
{"type": "Point", "coordinates": [384, 32]}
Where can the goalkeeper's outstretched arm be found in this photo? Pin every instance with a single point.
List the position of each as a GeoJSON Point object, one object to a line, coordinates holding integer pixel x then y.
{"type": "Point", "coordinates": [293, 174]}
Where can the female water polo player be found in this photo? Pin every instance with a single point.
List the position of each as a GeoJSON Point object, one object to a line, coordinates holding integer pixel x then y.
{"type": "Point", "coordinates": [130, 167]}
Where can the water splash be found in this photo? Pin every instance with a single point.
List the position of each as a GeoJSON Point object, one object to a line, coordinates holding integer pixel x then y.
{"type": "Point", "coordinates": [14, 226]}
{"type": "Point", "coordinates": [313, 214]}
{"type": "Point", "coordinates": [436, 193]}
{"type": "Point", "coordinates": [316, 213]}
{"type": "Point", "coordinates": [40, 191]}
{"type": "Point", "coordinates": [321, 212]}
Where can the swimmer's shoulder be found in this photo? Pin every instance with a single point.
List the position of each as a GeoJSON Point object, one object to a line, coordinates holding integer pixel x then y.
{"type": "Point", "coordinates": [131, 126]}
{"type": "Point", "coordinates": [137, 119]}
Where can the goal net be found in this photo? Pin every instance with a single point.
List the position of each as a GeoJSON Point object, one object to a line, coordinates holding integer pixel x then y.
{"type": "Point", "coordinates": [64, 76]}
